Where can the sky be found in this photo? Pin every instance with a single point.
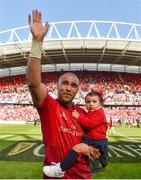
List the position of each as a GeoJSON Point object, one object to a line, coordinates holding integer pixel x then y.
{"type": "Point", "coordinates": [13, 13]}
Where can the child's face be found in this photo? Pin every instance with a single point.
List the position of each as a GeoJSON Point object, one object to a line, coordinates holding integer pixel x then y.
{"type": "Point", "coordinates": [92, 103]}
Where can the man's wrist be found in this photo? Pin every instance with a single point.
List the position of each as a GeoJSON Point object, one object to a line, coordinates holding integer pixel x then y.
{"type": "Point", "coordinates": [36, 49]}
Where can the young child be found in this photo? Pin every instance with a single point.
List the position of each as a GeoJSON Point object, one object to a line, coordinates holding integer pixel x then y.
{"type": "Point", "coordinates": [95, 125]}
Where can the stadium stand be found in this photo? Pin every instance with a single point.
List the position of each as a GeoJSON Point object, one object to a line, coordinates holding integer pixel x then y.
{"type": "Point", "coordinates": [110, 60]}
{"type": "Point", "coordinates": [122, 94]}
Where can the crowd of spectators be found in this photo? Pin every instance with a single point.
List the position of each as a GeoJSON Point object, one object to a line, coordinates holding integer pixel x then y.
{"type": "Point", "coordinates": [18, 113]}
{"type": "Point", "coordinates": [121, 91]}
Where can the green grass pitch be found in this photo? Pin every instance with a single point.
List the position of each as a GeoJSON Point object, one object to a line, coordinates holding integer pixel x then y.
{"type": "Point", "coordinates": [21, 153]}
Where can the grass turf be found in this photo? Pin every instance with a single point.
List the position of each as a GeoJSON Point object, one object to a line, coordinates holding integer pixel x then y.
{"type": "Point", "coordinates": [10, 134]}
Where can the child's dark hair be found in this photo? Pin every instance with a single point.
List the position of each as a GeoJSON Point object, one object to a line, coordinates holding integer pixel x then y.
{"type": "Point", "coordinates": [96, 94]}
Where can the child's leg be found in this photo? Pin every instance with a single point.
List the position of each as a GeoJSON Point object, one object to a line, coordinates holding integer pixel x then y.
{"type": "Point", "coordinates": [104, 154]}
{"type": "Point", "coordinates": [71, 157]}
{"type": "Point", "coordinates": [102, 146]}
{"type": "Point", "coordinates": [69, 160]}
{"type": "Point", "coordinates": [103, 161]}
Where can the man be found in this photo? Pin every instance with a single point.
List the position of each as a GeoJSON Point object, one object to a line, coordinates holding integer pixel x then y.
{"type": "Point", "coordinates": [138, 119]}
{"type": "Point", "coordinates": [60, 130]}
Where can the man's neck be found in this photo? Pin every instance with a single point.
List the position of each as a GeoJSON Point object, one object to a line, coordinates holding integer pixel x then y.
{"type": "Point", "coordinates": [65, 105]}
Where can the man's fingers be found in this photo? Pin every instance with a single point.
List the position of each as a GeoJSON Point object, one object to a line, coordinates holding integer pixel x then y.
{"type": "Point", "coordinates": [40, 17]}
{"type": "Point", "coordinates": [36, 15]}
{"type": "Point", "coordinates": [94, 153]}
{"type": "Point", "coordinates": [90, 157]}
{"type": "Point", "coordinates": [33, 15]}
{"type": "Point", "coordinates": [29, 19]}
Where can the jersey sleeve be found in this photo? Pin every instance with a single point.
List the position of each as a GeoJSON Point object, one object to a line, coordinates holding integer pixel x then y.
{"type": "Point", "coordinates": [91, 121]}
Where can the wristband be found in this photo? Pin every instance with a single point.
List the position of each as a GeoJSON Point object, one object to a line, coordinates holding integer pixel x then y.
{"type": "Point", "coordinates": [36, 49]}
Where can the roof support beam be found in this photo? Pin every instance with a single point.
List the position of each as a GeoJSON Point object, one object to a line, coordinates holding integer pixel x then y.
{"type": "Point", "coordinates": [46, 56]}
{"type": "Point", "coordinates": [103, 52]}
{"type": "Point", "coordinates": [64, 52]}
{"type": "Point", "coordinates": [120, 56]}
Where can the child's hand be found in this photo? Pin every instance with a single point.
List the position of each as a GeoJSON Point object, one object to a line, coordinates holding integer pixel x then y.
{"type": "Point", "coordinates": [75, 114]}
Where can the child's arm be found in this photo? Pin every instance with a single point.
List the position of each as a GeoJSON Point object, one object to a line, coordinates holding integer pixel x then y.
{"type": "Point", "coordinates": [91, 121]}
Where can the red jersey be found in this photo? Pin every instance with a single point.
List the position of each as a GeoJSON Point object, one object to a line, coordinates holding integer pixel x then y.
{"type": "Point", "coordinates": [60, 133]}
{"type": "Point", "coordinates": [95, 123]}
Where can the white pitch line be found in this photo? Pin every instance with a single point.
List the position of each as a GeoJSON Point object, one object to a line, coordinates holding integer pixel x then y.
{"type": "Point", "coordinates": [5, 136]}
{"type": "Point", "coordinates": [126, 137]}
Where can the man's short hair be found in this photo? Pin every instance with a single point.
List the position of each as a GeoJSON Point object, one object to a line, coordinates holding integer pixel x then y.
{"type": "Point", "coordinates": [70, 74]}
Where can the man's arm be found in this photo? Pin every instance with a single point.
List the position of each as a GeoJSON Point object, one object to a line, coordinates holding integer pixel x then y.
{"type": "Point", "coordinates": [33, 76]}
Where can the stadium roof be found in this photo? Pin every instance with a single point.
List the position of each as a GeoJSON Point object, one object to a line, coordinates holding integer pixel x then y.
{"type": "Point", "coordinates": [80, 42]}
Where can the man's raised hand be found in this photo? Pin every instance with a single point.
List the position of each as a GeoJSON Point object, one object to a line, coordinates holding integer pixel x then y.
{"type": "Point", "coordinates": [37, 29]}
